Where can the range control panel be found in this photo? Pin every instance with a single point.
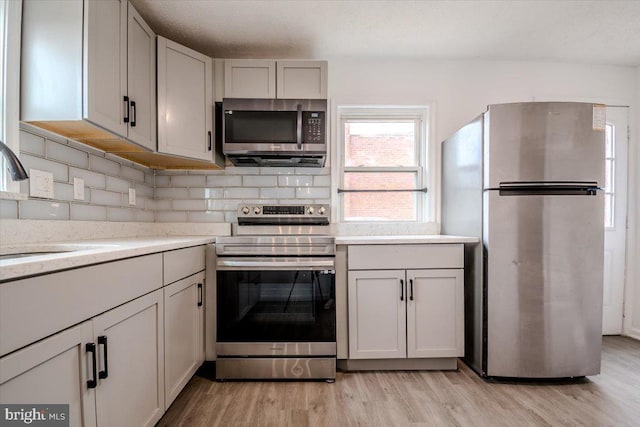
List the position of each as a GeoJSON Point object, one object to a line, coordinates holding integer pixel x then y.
{"type": "Point", "coordinates": [283, 211]}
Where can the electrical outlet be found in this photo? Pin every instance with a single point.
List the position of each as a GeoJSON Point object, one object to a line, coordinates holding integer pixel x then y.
{"type": "Point", "coordinates": [78, 189]}
{"type": "Point", "coordinates": [132, 196]}
{"type": "Point", "coordinates": [40, 184]}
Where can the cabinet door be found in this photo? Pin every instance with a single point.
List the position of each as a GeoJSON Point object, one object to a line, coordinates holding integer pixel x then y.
{"type": "Point", "coordinates": [185, 101]}
{"type": "Point", "coordinates": [141, 80]}
{"type": "Point", "coordinates": [53, 371]}
{"type": "Point", "coordinates": [435, 313]}
{"type": "Point", "coordinates": [249, 78]}
{"type": "Point", "coordinates": [302, 79]}
{"type": "Point", "coordinates": [106, 64]}
{"type": "Point", "coordinates": [183, 332]}
{"type": "Point", "coordinates": [132, 393]}
{"type": "Point", "coordinates": [377, 314]}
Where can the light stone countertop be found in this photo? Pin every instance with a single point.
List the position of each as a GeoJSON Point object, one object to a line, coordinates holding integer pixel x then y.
{"type": "Point", "coordinates": [408, 239]}
{"type": "Point", "coordinates": [81, 253]}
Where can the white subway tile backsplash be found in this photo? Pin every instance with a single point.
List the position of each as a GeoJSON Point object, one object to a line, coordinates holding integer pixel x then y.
{"type": "Point", "coordinates": [206, 216]}
{"type": "Point", "coordinates": [41, 209]}
{"type": "Point", "coordinates": [241, 193]}
{"type": "Point", "coordinates": [277, 171]}
{"type": "Point", "coordinates": [205, 193]}
{"type": "Point", "coordinates": [233, 170]}
{"type": "Point", "coordinates": [313, 193]}
{"type": "Point", "coordinates": [65, 154]}
{"type": "Point", "coordinates": [121, 214]}
{"type": "Point", "coordinates": [144, 190]}
{"type": "Point", "coordinates": [224, 181]}
{"type": "Point", "coordinates": [162, 181]}
{"type": "Point", "coordinates": [145, 216]}
{"type": "Point", "coordinates": [131, 173]}
{"type": "Point", "coordinates": [106, 166]}
{"type": "Point", "coordinates": [223, 205]}
{"type": "Point", "coordinates": [9, 209]}
{"type": "Point", "coordinates": [322, 180]}
{"type": "Point", "coordinates": [150, 178]}
{"type": "Point", "coordinates": [188, 205]}
{"type": "Point", "coordinates": [91, 179]}
{"type": "Point", "coordinates": [64, 192]}
{"type": "Point", "coordinates": [259, 181]}
{"type": "Point", "coordinates": [172, 193]}
{"type": "Point", "coordinates": [106, 198]}
{"type": "Point", "coordinates": [188, 181]}
{"type": "Point", "coordinates": [117, 184]}
{"type": "Point", "coordinates": [30, 143]}
{"type": "Point", "coordinates": [312, 171]}
{"type": "Point", "coordinates": [163, 204]}
{"type": "Point", "coordinates": [295, 181]}
{"type": "Point", "coordinates": [88, 212]}
{"type": "Point", "coordinates": [171, 216]}
{"type": "Point", "coordinates": [60, 172]}
{"type": "Point", "coordinates": [278, 193]}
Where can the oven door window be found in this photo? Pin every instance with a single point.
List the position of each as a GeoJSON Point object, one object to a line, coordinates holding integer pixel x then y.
{"type": "Point", "coordinates": [276, 306]}
{"type": "Point", "coordinates": [261, 127]}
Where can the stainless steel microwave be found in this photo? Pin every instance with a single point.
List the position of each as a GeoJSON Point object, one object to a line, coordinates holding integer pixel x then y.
{"type": "Point", "coordinates": [275, 132]}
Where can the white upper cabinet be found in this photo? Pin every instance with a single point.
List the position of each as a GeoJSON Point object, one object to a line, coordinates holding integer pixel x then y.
{"type": "Point", "coordinates": [260, 78]}
{"type": "Point", "coordinates": [89, 67]}
{"type": "Point", "coordinates": [249, 78]}
{"type": "Point", "coordinates": [301, 79]}
{"type": "Point", "coordinates": [185, 102]}
{"type": "Point", "coordinates": [141, 80]}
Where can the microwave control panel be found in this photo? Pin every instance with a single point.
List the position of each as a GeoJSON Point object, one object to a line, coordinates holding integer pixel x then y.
{"type": "Point", "coordinates": [313, 127]}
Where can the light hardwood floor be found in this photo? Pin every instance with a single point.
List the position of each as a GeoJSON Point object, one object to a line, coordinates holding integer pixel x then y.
{"type": "Point", "coordinates": [421, 398]}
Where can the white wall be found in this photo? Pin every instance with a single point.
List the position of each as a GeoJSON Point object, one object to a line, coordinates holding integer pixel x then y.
{"type": "Point", "coordinates": [632, 308]}
{"type": "Point", "coordinates": [460, 90]}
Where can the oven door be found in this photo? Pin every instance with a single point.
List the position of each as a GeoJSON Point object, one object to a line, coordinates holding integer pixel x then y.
{"type": "Point", "coordinates": [276, 306]}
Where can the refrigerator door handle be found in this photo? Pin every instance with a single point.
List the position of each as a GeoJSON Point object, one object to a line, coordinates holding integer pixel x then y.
{"type": "Point", "coordinates": [549, 188]}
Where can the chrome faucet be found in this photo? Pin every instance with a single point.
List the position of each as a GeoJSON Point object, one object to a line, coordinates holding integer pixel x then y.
{"type": "Point", "coordinates": [15, 167]}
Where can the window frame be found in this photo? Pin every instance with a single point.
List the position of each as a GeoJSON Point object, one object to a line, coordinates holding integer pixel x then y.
{"type": "Point", "coordinates": [424, 152]}
{"type": "Point", "coordinates": [10, 88]}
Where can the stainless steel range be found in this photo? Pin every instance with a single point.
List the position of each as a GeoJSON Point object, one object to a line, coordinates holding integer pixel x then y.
{"type": "Point", "coordinates": [275, 290]}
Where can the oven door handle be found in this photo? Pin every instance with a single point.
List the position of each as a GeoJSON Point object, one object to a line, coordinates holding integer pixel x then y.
{"type": "Point", "coordinates": [275, 264]}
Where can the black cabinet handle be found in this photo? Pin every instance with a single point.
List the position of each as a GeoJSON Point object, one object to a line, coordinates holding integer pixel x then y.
{"type": "Point", "coordinates": [401, 290]}
{"type": "Point", "coordinates": [210, 146]}
{"type": "Point", "coordinates": [199, 294]}
{"type": "Point", "coordinates": [126, 109]}
{"type": "Point", "coordinates": [91, 348]}
{"type": "Point", "coordinates": [102, 340]}
{"type": "Point", "coordinates": [134, 115]}
{"type": "Point", "coordinates": [411, 289]}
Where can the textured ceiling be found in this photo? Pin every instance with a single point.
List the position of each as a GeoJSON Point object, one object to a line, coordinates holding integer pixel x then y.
{"type": "Point", "coordinates": [599, 32]}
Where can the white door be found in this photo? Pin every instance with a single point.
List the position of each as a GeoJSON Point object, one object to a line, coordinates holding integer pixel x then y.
{"type": "Point", "coordinates": [130, 388]}
{"type": "Point", "coordinates": [377, 314]}
{"type": "Point", "coordinates": [616, 132]}
{"type": "Point", "coordinates": [185, 101]}
{"type": "Point", "coordinates": [53, 371]}
{"type": "Point", "coordinates": [141, 80]}
{"type": "Point", "coordinates": [183, 333]}
{"type": "Point", "coordinates": [435, 313]}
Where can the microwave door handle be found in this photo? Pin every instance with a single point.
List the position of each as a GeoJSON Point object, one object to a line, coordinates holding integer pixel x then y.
{"type": "Point", "coordinates": [299, 128]}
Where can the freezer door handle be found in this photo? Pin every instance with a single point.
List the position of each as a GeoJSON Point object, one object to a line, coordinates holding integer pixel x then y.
{"type": "Point", "coordinates": [549, 188]}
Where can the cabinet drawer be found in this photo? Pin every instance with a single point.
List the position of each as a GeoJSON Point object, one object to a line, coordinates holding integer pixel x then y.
{"type": "Point", "coordinates": [181, 263]}
{"type": "Point", "coordinates": [376, 257]}
{"type": "Point", "coordinates": [31, 309]}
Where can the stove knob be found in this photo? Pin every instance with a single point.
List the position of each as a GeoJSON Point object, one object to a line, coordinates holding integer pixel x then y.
{"type": "Point", "coordinates": [245, 210]}
{"type": "Point", "coordinates": [321, 210]}
{"type": "Point", "coordinates": [311, 210]}
{"type": "Point", "coordinates": [256, 210]}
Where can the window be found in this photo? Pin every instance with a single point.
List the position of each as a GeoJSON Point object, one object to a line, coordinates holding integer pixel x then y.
{"type": "Point", "coordinates": [609, 174]}
{"type": "Point", "coordinates": [383, 157]}
{"type": "Point", "coordinates": [10, 13]}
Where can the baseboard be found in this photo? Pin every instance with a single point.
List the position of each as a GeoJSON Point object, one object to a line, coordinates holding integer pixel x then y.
{"type": "Point", "coordinates": [428, 364]}
{"type": "Point", "coordinates": [633, 333]}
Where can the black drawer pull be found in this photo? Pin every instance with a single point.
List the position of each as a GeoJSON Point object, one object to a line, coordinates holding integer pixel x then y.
{"type": "Point", "coordinates": [102, 340]}
{"type": "Point", "coordinates": [91, 348]}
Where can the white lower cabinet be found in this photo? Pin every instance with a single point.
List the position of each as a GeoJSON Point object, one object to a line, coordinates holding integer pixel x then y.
{"type": "Point", "coordinates": [130, 350]}
{"type": "Point", "coordinates": [184, 333]}
{"type": "Point", "coordinates": [127, 344]}
{"type": "Point", "coordinates": [53, 371]}
{"type": "Point", "coordinates": [405, 313]}
{"type": "Point", "coordinates": [406, 301]}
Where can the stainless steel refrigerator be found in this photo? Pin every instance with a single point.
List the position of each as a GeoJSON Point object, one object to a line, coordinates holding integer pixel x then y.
{"type": "Point", "coordinates": [525, 178]}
